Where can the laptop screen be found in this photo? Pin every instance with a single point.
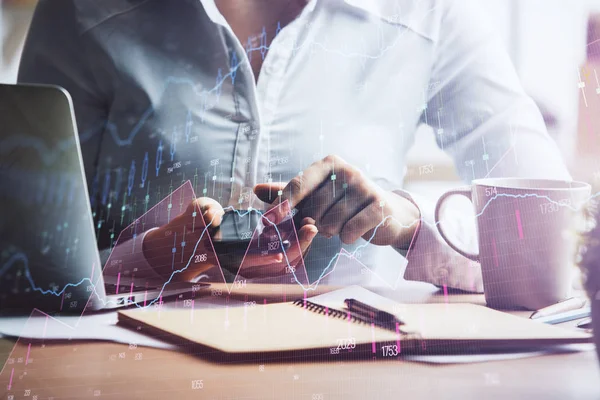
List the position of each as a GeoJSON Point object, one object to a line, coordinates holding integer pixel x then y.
{"type": "Point", "coordinates": [49, 258]}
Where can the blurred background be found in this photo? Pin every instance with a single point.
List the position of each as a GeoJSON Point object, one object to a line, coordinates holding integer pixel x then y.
{"type": "Point", "coordinates": [555, 47]}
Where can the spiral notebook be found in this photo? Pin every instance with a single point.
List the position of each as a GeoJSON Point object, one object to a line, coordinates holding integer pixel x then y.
{"type": "Point", "coordinates": [320, 326]}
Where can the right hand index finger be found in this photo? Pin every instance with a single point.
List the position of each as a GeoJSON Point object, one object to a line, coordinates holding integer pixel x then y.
{"type": "Point", "coordinates": [305, 183]}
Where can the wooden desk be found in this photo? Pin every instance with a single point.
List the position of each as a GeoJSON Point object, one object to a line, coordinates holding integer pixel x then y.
{"type": "Point", "coordinates": [117, 371]}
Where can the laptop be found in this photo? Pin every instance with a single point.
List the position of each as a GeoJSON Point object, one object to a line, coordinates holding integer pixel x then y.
{"type": "Point", "coordinates": [49, 258]}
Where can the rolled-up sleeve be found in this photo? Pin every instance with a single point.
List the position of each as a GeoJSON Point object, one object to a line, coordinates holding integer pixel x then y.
{"type": "Point", "coordinates": [482, 117]}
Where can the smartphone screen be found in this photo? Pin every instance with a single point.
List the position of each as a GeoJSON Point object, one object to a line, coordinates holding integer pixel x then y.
{"type": "Point", "coordinates": [237, 226]}
{"type": "Point", "coordinates": [236, 231]}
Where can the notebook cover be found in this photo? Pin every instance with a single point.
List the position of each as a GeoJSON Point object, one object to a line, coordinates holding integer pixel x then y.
{"type": "Point", "coordinates": [282, 328]}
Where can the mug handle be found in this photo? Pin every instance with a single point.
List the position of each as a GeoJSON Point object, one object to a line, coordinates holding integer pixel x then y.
{"type": "Point", "coordinates": [438, 207]}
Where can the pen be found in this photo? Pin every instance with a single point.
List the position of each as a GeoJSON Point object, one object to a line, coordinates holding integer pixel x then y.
{"type": "Point", "coordinates": [573, 303]}
{"type": "Point", "coordinates": [566, 316]}
{"type": "Point", "coordinates": [585, 323]}
{"type": "Point", "coordinates": [369, 312]}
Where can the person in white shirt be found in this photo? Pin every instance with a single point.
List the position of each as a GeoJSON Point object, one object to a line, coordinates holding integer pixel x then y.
{"type": "Point", "coordinates": [315, 102]}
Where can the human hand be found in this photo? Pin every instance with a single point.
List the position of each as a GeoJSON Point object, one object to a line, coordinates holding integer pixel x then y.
{"type": "Point", "coordinates": [340, 200]}
{"type": "Point", "coordinates": [193, 226]}
{"type": "Point", "coordinates": [253, 267]}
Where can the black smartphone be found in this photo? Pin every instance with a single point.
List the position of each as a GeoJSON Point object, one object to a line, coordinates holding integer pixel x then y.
{"type": "Point", "coordinates": [235, 233]}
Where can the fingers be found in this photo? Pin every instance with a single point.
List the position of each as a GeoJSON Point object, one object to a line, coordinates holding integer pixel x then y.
{"type": "Point", "coordinates": [263, 271]}
{"type": "Point", "coordinates": [210, 210]}
{"type": "Point", "coordinates": [352, 209]}
{"type": "Point", "coordinates": [306, 234]}
{"type": "Point", "coordinates": [362, 223]}
{"type": "Point", "coordinates": [337, 201]}
{"type": "Point", "coordinates": [256, 260]}
{"type": "Point", "coordinates": [342, 212]}
{"type": "Point", "coordinates": [268, 192]}
{"type": "Point", "coordinates": [307, 221]}
{"type": "Point", "coordinates": [302, 185]}
{"type": "Point", "coordinates": [274, 264]}
{"type": "Point", "coordinates": [321, 202]}
{"type": "Point", "coordinates": [317, 182]}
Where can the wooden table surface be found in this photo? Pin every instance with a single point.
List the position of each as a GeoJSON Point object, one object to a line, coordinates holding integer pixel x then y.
{"type": "Point", "coordinates": [79, 370]}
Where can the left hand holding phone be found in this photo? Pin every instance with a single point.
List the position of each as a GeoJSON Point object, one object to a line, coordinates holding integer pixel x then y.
{"type": "Point", "coordinates": [158, 244]}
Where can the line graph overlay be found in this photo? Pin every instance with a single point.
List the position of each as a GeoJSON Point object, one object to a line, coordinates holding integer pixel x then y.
{"type": "Point", "coordinates": [289, 263]}
{"type": "Point", "coordinates": [191, 253]}
{"type": "Point", "coordinates": [293, 270]}
{"type": "Point", "coordinates": [49, 155]}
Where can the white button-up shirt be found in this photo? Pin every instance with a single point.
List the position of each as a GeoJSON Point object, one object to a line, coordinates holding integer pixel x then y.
{"type": "Point", "coordinates": [163, 93]}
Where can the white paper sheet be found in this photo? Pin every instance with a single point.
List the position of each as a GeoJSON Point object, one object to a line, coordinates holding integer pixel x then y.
{"type": "Point", "coordinates": [87, 327]}
{"type": "Point", "coordinates": [104, 327]}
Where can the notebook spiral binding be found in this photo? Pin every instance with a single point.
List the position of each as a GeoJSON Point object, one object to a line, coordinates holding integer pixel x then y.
{"type": "Point", "coordinates": [335, 313]}
{"type": "Point", "coordinates": [332, 312]}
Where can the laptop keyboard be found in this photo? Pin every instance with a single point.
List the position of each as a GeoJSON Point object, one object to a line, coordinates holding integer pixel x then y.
{"type": "Point", "coordinates": [124, 289]}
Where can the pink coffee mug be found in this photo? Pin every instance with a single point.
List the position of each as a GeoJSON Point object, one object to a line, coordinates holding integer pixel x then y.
{"type": "Point", "coordinates": [527, 232]}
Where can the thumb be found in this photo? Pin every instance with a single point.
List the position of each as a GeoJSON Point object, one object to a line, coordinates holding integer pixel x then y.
{"type": "Point", "coordinates": [268, 192]}
{"type": "Point", "coordinates": [208, 209]}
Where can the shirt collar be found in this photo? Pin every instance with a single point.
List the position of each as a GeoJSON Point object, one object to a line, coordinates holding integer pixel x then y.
{"type": "Point", "coordinates": [215, 15]}
{"type": "Point", "coordinates": [379, 8]}
{"type": "Point", "coordinates": [413, 14]}
{"type": "Point", "coordinates": [213, 12]}
{"type": "Point", "coordinates": [409, 13]}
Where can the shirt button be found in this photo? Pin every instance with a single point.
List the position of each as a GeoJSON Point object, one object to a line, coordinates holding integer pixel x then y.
{"type": "Point", "coordinates": [273, 68]}
{"type": "Point", "coordinates": [269, 69]}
